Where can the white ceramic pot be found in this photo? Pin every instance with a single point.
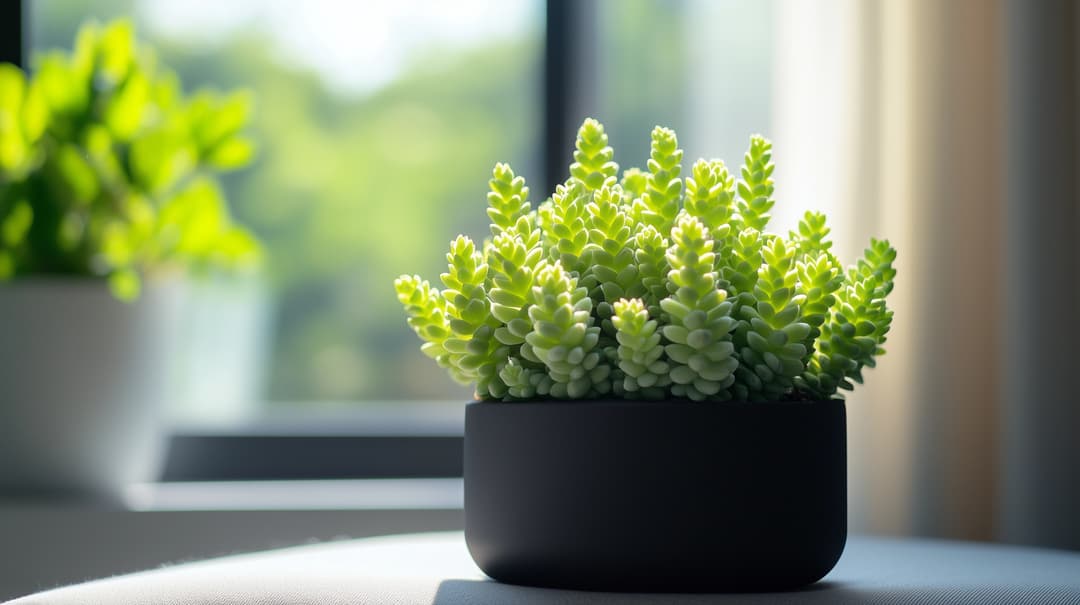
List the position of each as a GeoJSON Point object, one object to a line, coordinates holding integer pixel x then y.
{"type": "Point", "coordinates": [84, 382]}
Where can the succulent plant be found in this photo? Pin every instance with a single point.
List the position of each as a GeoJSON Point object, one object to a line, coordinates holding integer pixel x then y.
{"type": "Point", "coordinates": [652, 287]}
{"type": "Point", "coordinates": [108, 169]}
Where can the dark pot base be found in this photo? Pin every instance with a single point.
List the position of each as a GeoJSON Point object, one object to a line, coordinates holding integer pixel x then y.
{"type": "Point", "coordinates": [656, 496]}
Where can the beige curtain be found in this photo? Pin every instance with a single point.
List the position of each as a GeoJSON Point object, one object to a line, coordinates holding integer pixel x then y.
{"type": "Point", "coordinates": [893, 110]}
{"type": "Point", "coordinates": [952, 128]}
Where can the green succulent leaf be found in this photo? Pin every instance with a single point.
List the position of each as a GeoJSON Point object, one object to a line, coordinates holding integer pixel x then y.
{"type": "Point", "coordinates": [425, 310]}
{"type": "Point", "coordinates": [523, 381]}
{"type": "Point", "coordinates": [756, 187]}
{"type": "Point", "coordinates": [812, 237]}
{"type": "Point", "coordinates": [640, 352]}
{"type": "Point", "coordinates": [650, 254]}
{"type": "Point", "coordinates": [565, 230]}
{"type": "Point", "coordinates": [593, 157]}
{"type": "Point", "coordinates": [611, 271]}
{"type": "Point", "coordinates": [633, 182]}
{"type": "Point", "coordinates": [703, 361]}
{"type": "Point", "coordinates": [819, 280]}
{"type": "Point", "coordinates": [772, 334]}
{"type": "Point", "coordinates": [564, 337]}
{"type": "Point", "coordinates": [710, 196]}
{"type": "Point", "coordinates": [474, 349]}
{"type": "Point", "coordinates": [512, 265]}
{"type": "Point", "coordinates": [855, 330]}
{"type": "Point", "coordinates": [743, 264]}
{"type": "Point", "coordinates": [643, 290]}
{"type": "Point", "coordinates": [660, 203]}
{"type": "Point", "coordinates": [508, 200]}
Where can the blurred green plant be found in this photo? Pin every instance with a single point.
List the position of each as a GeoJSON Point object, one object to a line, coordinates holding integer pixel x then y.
{"type": "Point", "coordinates": [108, 169]}
{"type": "Point", "coordinates": [652, 288]}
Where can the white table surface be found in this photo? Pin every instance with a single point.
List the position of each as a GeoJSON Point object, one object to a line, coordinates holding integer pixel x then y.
{"type": "Point", "coordinates": [435, 568]}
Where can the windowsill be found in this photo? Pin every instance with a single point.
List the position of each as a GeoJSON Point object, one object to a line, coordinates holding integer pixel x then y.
{"type": "Point", "coordinates": [335, 494]}
{"type": "Point", "coordinates": [283, 480]}
{"type": "Point", "coordinates": [336, 418]}
{"type": "Point", "coordinates": [57, 541]}
{"type": "Point", "coordinates": [324, 441]}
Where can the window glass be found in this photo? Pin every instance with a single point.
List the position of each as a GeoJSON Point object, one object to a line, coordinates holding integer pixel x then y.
{"type": "Point", "coordinates": [701, 67]}
{"type": "Point", "coordinates": [378, 123]}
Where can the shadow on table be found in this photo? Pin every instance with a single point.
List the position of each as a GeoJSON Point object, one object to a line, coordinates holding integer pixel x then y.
{"type": "Point", "coordinates": [488, 592]}
{"type": "Point", "coordinates": [484, 592]}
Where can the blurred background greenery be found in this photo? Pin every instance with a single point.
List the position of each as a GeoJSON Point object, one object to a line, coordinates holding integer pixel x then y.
{"type": "Point", "coordinates": [352, 188]}
{"type": "Point", "coordinates": [377, 135]}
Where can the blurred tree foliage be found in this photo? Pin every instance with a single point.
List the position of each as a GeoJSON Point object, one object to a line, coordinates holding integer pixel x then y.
{"type": "Point", "coordinates": [349, 192]}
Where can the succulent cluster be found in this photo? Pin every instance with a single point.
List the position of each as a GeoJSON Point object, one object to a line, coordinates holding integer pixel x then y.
{"type": "Point", "coordinates": [651, 286]}
{"type": "Point", "coordinates": [108, 169]}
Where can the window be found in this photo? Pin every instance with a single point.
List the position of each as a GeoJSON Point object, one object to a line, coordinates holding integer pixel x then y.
{"type": "Point", "coordinates": [378, 123]}
{"type": "Point", "coordinates": [700, 67]}
{"type": "Point", "coordinates": [359, 107]}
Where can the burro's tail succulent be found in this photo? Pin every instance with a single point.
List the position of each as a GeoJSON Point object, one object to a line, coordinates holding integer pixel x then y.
{"type": "Point", "coordinates": [649, 287]}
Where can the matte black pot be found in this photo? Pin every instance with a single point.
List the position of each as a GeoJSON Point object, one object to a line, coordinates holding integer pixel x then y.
{"type": "Point", "coordinates": [656, 496]}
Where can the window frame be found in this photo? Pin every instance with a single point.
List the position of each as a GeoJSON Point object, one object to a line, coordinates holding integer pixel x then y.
{"type": "Point", "coordinates": [12, 32]}
{"type": "Point", "coordinates": [368, 452]}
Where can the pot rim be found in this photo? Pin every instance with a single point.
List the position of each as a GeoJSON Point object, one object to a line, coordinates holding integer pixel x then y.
{"type": "Point", "coordinates": [653, 403]}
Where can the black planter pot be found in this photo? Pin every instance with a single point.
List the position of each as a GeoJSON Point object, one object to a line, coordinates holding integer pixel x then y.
{"type": "Point", "coordinates": [656, 496]}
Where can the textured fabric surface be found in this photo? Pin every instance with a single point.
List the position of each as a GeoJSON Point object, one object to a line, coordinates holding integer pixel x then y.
{"type": "Point", "coordinates": [435, 569]}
